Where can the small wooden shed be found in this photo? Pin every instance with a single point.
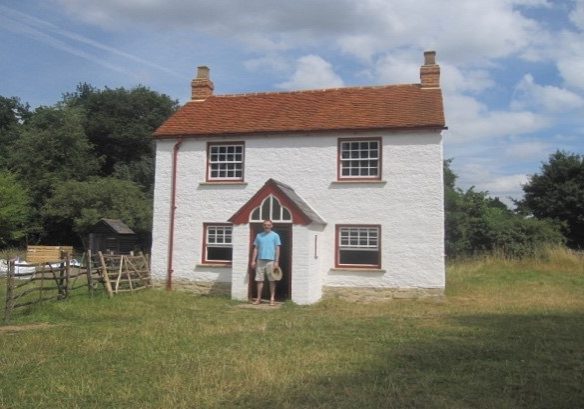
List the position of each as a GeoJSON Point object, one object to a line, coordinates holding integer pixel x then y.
{"type": "Point", "coordinates": [112, 236]}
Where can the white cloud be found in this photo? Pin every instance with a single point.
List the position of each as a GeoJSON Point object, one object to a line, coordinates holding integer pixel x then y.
{"type": "Point", "coordinates": [469, 120]}
{"type": "Point", "coordinates": [480, 173]}
{"type": "Point", "coordinates": [526, 151]}
{"type": "Point", "coordinates": [569, 53]}
{"type": "Point", "coordinates": [398, 68]}
{"type": "Point", "coordinates": [529, 94]}
{"type": "Point", "coordinates": [454, 79]}
{"type": "Point", "coordinates": [311, 72]}
{"type": "Point", "coordinates": [505, 186]}
{"type": "Point", "coordinates": [577, 15]}
{"type": "Point", "coordinates": [464, 32]}
{"type": "Point", "coordinates": [271, 62]}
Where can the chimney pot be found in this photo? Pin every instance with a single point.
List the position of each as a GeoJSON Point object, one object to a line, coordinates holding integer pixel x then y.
{"type": "Point", "coordinates": [203, 72]}
{"type": "Point", "coordinates": [202, 87]}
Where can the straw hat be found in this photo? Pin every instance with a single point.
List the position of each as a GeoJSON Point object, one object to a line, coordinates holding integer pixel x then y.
{"type": "Point", "coordinates": [277, 273]}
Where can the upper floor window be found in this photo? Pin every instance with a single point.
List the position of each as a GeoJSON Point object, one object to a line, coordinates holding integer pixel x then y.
{"type": "Point", "coordinates": [359, 159]}
{"type": "Point", "coordinates": [271, 209]}
{"type": "Point", "coordinates": [225, 161]}
{"type": "Point", "coordinates": [218, 243]}
{"type": "Point", "coordinates": [358, 246]}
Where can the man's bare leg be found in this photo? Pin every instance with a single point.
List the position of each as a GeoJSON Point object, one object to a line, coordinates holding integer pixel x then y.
{"type": "Point", "coordinates": [272, 293]}
{"type": "Point", "coordinates": [260, 286]}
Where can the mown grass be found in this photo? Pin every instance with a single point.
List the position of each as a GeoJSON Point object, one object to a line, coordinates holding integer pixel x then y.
{"type": "Point", "coordinates": [509, 334]}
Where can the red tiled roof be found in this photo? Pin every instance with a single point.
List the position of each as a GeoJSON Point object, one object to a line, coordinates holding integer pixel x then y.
{"type": "Point", "coordinates": [363, 108]}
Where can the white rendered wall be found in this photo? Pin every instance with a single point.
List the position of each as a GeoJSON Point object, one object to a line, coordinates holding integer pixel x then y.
{"type": "Point", "coordinates": [408, 206]}
{"type": "Point", "coordinates": [239, 285]}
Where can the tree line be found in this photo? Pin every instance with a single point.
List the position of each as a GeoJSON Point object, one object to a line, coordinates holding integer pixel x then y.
{"type": "Point", "coordinates": [91, 155]}
{"type": "Point", "coordinates": [88, 156]}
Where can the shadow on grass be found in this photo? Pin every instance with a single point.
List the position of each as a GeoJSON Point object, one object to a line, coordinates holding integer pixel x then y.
{"type": "Point", "coordinates": [477, 361]}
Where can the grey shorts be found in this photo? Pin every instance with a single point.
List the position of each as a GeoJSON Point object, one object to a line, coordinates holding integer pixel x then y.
{"type": "Point", "coordinates": [264, 268]}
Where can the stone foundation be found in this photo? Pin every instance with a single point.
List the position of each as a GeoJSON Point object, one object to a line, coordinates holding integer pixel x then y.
{"type": "Point", "coordinates": [197, 287]}
{"type": "Point", "coordinates": [371, 294]}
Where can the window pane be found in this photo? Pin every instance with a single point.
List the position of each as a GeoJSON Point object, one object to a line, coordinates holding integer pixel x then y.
{"type": "Point", "coordinates": [266, 209]}
{"type": "Point", "coordinates": [219, 253]}
{"type": "Point", "coordinates": [275, 210]}
{"type": "Point", "coordinates": [359, 257]}
{"type": "Point", "coordinates": [226, 162]}
{"type": "Point", "coordinates": [359, 159]}
{"type": "Point", "coordinates": [286, 214]}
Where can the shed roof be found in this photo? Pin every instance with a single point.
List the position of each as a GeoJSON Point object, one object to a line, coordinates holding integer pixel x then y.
{"type": "Point", "coordinates": [117, 226]}
{"type": "Point", "coordinates": [354, 108]}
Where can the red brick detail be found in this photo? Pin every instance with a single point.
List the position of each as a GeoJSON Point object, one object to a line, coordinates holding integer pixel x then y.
{"type": "Point", "coordinates": [430, 76]}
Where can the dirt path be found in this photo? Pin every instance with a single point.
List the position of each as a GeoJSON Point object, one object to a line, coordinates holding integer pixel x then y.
{"type": "Point", "coordinates": [25, 327]}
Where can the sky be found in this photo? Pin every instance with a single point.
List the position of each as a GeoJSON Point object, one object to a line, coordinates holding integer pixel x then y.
{"type": "Point", "coordinates": [512, 71]}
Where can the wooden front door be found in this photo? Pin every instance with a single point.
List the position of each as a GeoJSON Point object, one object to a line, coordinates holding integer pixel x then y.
{"type": "Point", "coordinates": [283, 287]}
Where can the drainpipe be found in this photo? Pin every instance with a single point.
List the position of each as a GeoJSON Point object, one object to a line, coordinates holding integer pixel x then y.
{"type": "Point", "coordinates": [172, 213]}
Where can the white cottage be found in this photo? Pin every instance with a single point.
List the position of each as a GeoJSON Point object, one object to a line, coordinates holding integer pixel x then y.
{"type": "Point", "coordinates": [351, 178]}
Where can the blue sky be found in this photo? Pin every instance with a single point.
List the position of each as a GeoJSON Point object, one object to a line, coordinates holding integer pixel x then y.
{"type": "Point", "coordinates": [512, 70]}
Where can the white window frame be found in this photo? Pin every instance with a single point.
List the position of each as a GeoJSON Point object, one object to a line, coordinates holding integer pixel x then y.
{"type": "Point", "coordinates": [365, 238]}
{"type": "Point", "coordinates": [351, 157]}
{"type": "Point", "coordinates": [277, 214]}
{"type": "Point", "coordinates": [210, 240]}
{"type": "Point", "coordinates": [222, 162]}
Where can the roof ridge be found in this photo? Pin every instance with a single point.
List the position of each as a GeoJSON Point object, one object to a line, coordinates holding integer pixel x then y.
{"type": "Point", "coordinates": [308, 91]}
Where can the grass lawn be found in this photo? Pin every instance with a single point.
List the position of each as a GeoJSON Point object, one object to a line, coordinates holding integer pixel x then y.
{"type": "Point", "coordinates": [508, 335]}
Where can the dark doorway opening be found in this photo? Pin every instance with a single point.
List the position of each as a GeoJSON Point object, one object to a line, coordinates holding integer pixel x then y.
{"type": "Point", "coordinates": [283, 287]}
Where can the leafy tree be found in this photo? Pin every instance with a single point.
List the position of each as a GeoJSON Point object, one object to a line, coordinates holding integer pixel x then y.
{"type": "Point", "coordinates": [119, 123]}
{"type": "Point", "coordinates": [140, 172]}
{"type": "Point", "coordinates": [515, 235]}
{"type": "Point", "coordinates": [52, 148]}
{"type": "Point", "coordinates": [15, 211]}
{"type": "Point", "coordinates": [476, 223]}
{"type": "Point", "coordinates": [557, 193]}
{"type": "Point", "coordinates": [13, 114]}
{"type": "Point", "coordinates": [77, 205]}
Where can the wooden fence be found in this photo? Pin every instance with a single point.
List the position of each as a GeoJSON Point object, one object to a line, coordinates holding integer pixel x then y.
{"type": "Point", "coordinates": [31, 284]}
{"type": "Point", "coordinates": [123, 273]}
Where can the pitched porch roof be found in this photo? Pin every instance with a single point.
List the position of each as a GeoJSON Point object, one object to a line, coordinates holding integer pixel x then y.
{"type": "Point", "coordinates": [301, 211]}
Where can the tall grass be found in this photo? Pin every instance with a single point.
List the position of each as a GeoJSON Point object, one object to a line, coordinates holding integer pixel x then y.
{"type": "Point", "coordinates": [510, 334]}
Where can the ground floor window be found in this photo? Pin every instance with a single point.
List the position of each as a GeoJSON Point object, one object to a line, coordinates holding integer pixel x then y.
{"type": "Point", "coordinates": [358, 246]}
{"type": "Point", "coordinates": [218, 244]}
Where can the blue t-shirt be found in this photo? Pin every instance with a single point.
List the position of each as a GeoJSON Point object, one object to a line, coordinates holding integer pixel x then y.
{"type": "Point", "coordinates": [266, 244]}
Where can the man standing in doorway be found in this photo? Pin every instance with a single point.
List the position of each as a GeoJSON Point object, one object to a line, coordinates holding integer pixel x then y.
{"type": "Point", "coordinates": [266, 257]}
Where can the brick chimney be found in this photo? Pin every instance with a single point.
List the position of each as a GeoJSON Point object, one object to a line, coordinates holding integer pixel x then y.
{"type": "Point", "coordinates": [430, 71]}
{"type": "Point", "coordinates": [201, 87]}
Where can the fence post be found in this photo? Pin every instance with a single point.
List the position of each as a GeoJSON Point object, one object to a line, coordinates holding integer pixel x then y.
{"type": "Point", "coordinates": [9, 292]}
{"type": "Point", "coordinates": [89, 277]}
{"type": "Point", "coordinates": [67, 274]}
{"type": "Point", "coordinates": [106, 280]}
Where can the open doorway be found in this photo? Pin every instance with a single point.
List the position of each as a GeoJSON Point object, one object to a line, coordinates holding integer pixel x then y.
{"type": "Point", "coordinates": [283, 287]}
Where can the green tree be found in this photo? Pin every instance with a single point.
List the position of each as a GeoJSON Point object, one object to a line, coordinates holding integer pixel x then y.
{"type": "Point", "coordinates": [119, 123]}
{"type": "Point", "coordinates": [52, 148]}
{"type": "Point", "coordinates": [77, 205]}
{"type": "Point", "coordinates": [13, 114]}
{"type": "Point", "coordinates": [557, 193]}
{"type": "Point", "coordinates": [15, 210]}
{"type": "Point", "coordinates": [477, 223]}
